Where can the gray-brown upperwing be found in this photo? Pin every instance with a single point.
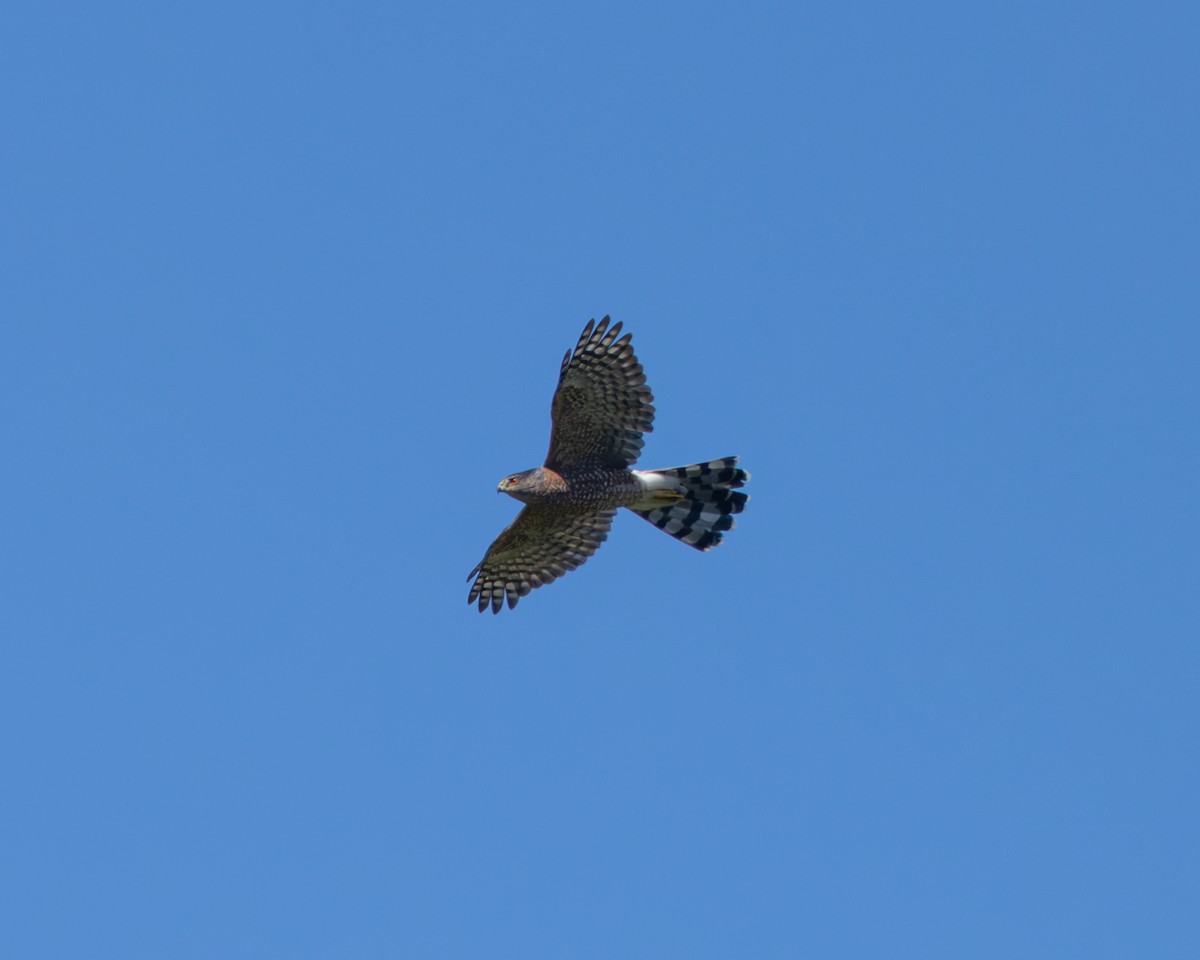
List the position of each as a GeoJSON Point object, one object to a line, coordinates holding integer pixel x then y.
{"type": "Point", "coordinates": [542, 544]}
{"type": "Point", "coordinates": [602, 405]}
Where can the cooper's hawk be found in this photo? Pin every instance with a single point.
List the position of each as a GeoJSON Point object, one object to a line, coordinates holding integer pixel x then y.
{"type": "Point", "coordinates": [600, 410]}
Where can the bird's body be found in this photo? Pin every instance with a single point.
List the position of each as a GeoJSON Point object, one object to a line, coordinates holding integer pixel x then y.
{"type": "Point", "coordinates": [601, 487]}
{"type": "Point", "coordinates": [600, 410]}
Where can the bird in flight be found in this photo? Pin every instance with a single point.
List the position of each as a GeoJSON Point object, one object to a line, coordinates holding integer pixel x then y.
{"type": "Point", "coordinates": [600, 410]}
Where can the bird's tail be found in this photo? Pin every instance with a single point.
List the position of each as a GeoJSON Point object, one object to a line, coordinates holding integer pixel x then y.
{"type": "Point", "coordinates": [694, 504]}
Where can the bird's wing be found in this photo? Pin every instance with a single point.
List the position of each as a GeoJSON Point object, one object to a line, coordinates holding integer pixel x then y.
{"type": "Point", "coordinates": [542, 544]}
{"type": "Point", "coordinates": [602, 405]}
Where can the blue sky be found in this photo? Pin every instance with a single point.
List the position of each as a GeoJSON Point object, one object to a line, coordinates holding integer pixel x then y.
{"type": "Point", "coordinates": [286, 288]}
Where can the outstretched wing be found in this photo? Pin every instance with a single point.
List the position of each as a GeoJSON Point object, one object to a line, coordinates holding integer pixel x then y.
{"type": "Point", "coordinates": [542, 544]}
{"type": "Point", "coordinates": [602, 405]}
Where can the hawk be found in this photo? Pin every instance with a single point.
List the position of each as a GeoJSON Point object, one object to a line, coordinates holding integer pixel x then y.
{"type": "Point", "coordinates": [601, 408]}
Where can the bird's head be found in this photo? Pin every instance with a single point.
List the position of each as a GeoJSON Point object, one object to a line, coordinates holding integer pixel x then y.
{"type": "Point", "coordinates": [515, 484]}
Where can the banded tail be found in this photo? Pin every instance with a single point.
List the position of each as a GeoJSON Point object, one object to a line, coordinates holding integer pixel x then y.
{"type": "Point", "coordinates": [694, 504]}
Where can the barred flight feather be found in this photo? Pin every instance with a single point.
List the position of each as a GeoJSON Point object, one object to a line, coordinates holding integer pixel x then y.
{"type": "Point", "coordinates": [709, 502]}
